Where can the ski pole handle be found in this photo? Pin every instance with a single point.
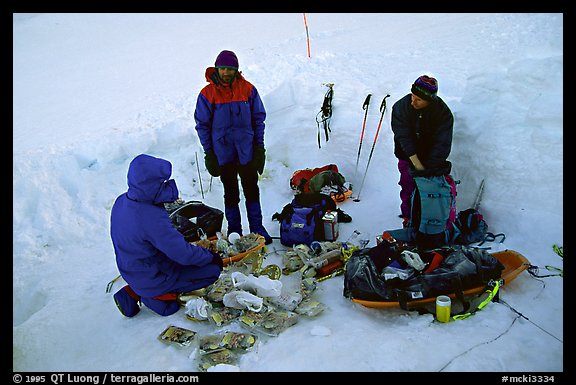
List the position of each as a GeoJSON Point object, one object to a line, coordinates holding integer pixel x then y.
{"type": "Point", "coordinates": [383, 105]}
{"type": "Point", "coordinates": [366, 102]}
{"type": "Point", "coordinates": [364, 107]}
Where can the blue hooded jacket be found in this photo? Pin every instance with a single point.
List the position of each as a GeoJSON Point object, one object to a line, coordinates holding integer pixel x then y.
{"type": "Point", "coordinates": [149, 250]}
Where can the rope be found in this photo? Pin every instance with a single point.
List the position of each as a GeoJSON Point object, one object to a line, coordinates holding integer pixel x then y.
{"type": "Point", "coordinates": [526, 318]}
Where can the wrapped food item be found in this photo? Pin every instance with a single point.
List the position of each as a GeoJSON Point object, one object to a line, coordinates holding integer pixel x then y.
{"type": "Point", "coordinates": [224, 356]}
{"type": "Point", "coordinates": [310, 307]}
{"type": "Point", "coordinates": [222, 315]}
{"type": "Point", "coordinates": [237, 342]}
{"type": "Point", "coordinates": [271, 322]}
{"type": "Point", "coordinates": [219, 288]}
{"type": "Point", "coordinates": [176, 335]}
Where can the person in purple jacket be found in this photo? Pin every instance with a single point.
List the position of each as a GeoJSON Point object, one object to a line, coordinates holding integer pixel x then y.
{"type": "Point", "coordinates": [229, 119]}
{"type": "Point", "coordinates": [154, 258]}
{"type": "Point", "coordinates": [422, 124]}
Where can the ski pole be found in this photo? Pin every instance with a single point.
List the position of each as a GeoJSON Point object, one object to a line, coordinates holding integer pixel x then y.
{"type": "Point", "coordinates": [364, 107]}
{"type": "Point", "coordinates": [199, 176]}
{"type": "Point", "coordinates": [383, 110]}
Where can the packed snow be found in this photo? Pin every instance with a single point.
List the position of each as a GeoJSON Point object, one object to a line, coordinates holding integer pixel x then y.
{"type": "Point", "coordinates": [92, 91]}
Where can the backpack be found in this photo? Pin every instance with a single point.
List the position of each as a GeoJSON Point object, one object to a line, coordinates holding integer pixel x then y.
{"type": "Point", "coordinates": [433, 210]}
{"type": "Point", "coordinates": [325, 179]}
{"type": "Point", "coordinates": [469, 227]}
{"type": "Point", "coordinates": [194, 219]}
{"type": "Point", "coordinates": [301, 219]}
{"type": "Point", "coordinates": [300, 180]}
{"type": "Point", "coordinates": [433, 222]}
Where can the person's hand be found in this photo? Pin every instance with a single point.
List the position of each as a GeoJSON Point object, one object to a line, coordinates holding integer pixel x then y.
{"type": "Point", "coordinates": [259, 158]}
{"type": "Point", "coordinates": [416, 163]}
{"type": "Point", "coordinates": [217, 260]}
{"type": "Point", "coordinates": [212, 163]}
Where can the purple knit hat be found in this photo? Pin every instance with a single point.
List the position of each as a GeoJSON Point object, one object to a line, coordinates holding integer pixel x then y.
{"type": "Point", "coordinates": [226, 59]}
{"type": "Point", "coordinates": [425, 87]}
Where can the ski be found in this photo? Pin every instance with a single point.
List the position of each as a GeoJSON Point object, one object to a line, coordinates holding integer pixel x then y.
{"type": "Point", "coordinates": [478, 199]}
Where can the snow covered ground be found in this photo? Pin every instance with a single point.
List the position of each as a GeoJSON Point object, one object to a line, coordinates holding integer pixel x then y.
{"type": "Point", "coordinates": [92, 91]}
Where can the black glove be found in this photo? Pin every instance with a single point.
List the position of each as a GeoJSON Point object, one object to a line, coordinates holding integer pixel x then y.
{"type": "Point", "coordinates": [259, 158]}
{"type": "Point", "coordinates": [343, 217]}
{"type": "Point", "coordinates": [212, 163]}
{"type": "Point", "coordinates": [217, 260]}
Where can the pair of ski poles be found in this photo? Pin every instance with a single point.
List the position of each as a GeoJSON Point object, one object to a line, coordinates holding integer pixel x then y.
{"type": "Point", "coordinates": [382, 110]}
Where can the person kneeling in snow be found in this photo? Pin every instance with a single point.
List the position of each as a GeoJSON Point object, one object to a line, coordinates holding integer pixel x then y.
{"type": "Point", "coordinates": [154, 258]}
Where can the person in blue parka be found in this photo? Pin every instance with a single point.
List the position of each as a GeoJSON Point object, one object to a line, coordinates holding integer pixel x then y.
{"type": "Point", "coordinates": [229, 119]}
{"type": "Point", "coordinates": [152, 256]}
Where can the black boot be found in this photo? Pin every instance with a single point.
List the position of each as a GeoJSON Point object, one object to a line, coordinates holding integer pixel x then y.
{"type": "Point", "coordinates": [255, 220]}
{"type": "Point", "coordinates": [234, 219]}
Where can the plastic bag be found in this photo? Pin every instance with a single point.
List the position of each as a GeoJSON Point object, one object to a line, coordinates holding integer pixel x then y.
{"type": "Point", "coordinates": [263, 286]}
{"type": "Point", "coordinates": [240, 299]}
{"type": "Point", "coordinates": [197, 308]}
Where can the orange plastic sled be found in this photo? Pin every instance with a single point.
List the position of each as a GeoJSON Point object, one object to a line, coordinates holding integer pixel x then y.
{"type": "Point", "coordinates": [514, 264]}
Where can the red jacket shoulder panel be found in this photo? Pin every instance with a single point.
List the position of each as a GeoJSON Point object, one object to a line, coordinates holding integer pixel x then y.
{"type": "Point", "coordinates": [239, 91]}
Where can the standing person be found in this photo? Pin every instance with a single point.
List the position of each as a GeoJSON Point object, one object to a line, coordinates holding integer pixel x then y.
{"type": "Point", "coordinates": [152, 256]}
{"type": "Point", "coordinates": [230, 124]}
{"type": "Point", "coordinates": [422, 125]}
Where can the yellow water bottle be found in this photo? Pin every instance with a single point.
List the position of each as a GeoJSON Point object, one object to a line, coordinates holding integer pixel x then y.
{"type": "Point", "coordinates": [443, 305]}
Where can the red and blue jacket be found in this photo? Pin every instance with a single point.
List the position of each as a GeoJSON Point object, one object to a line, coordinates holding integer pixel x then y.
{"type": "Point", "coordinates": [150, 252]}
{"type": "Point", "coordinates": [230, 118]}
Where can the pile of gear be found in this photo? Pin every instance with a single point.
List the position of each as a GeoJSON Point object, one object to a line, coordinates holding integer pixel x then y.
{"type": "Point", "coordinates": [232, 248]}
{"type": "Point", "coordinates": [262, 300]}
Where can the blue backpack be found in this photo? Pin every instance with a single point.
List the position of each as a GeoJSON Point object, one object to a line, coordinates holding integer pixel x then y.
{"type": "Point", "coordinates": [470, 227]}
{"type": "Point", "coordinates": [301, 219]}
{"type": "Point", "coordinates": [433, 212]}
{"type": "Point", "coordinates": [433, 224]}
{"type": "Point", "coordinates": [433, 201]}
